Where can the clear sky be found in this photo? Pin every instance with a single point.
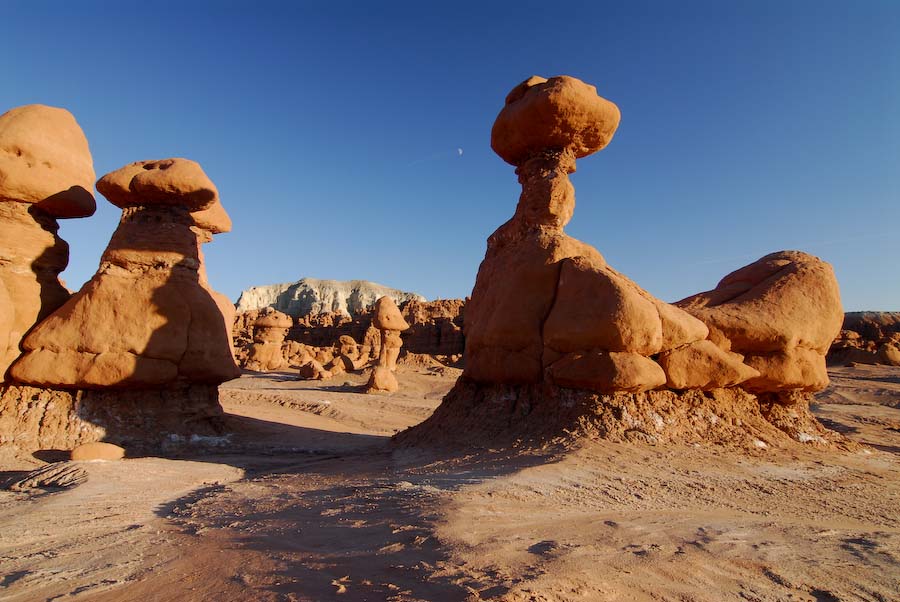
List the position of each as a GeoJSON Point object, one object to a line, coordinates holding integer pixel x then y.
{"type": "Point", "coordinates": [331, 130]}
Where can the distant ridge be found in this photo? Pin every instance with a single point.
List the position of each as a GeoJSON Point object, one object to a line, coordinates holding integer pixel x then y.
{"type": "Point", "coordinates": [309, 296]}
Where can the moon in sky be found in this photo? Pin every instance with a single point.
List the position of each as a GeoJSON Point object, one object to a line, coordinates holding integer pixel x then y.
{"type": "Point", "coordinates": [459, 150]}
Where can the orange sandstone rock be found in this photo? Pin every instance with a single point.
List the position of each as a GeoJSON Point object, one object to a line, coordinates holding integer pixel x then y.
{"type": "Point", "coordinates": [45, 161]}
{"type": "Point", "coordinates": [782, 313]}
{"type": "Point", "coordinates": [265, 354]}
{"type": "Point", "coordinates": [387, 319]}
{"type": "Point", "coordinates": [561, 112]}
{"type": "Point", "coordinates": [145, 319]}
{"type": "Point", "coordinates": [547, 306]}
{"type": "Point", "coordinates": [46, 172]}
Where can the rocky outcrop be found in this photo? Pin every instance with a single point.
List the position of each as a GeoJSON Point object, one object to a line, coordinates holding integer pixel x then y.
{"type": "Point", "coordinates": [311, 296]}
{"type": "Point", "coordinates": [557, 341]}
{"type": "Point", "coordinates": [547, 307]}
{"type": "Point", "coordinates": [868, 338]}
{"type": "Point", "coordinates": [33, 418]}
{"type": "Point", "coordinates": [435, 330]}
{"type": "Point", "coordinates": [46, 173]}
{"type": "Point", "coordinates": [390, 323]}
{"type": "Point", "coordinates": [265, 354]}
{"type": "Point", "coordinates": [145, 319]}
{"type": "Point", "coordinates": [435, 327]}
{"type": "Point", "coordinates": [781, 313]}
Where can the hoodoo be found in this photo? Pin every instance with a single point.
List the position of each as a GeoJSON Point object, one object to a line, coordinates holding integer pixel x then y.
{"type": "Point", "coordinates": [137, 354]}
{"type": "Point", "coordinates": [556, 339]}
{"type": "Point", "coordinates": [46, 174]}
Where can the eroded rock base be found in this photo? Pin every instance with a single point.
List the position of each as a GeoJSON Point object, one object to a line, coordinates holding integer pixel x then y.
{"type": "Point", "coordinates": [482, 415]}
{"type": "Point", "coordinates": [35, 418]}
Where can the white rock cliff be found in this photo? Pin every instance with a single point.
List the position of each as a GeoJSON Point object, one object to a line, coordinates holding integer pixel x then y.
{"type": "Point", "coordinates": [313, 296]}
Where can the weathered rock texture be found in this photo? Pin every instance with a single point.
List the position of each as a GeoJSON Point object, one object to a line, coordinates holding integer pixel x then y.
{"type": "Point", "coordinates": [311, 296]}
{"type": "Point", "coordinates": [868, 338]}
{"type": "Point", "coordinates": [265, 354]}
{"type": "Point", "coordinates": [145, 319]}
{"type": "Point", "coordinates": [547, 307]}
{"type": "Point", "coordinates": [435, 330]}
{"type": "Point", "coordinates": [781, 313]}
{"type": "Point", "coordinates": [389, 321]}
{"type": "Point", "coordinates": [550, 322]}
{"type": "Point", "coordinates": [33, 418]}
{"type": "Point", "coordinates": [46, 173]}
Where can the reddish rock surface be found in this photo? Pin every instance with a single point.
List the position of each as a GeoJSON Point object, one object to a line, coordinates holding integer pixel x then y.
{"type": "Point", "coordinates": [145, 319]}
{"type": "Point", "coordinates": [782, 313]}
{"type": "Point", "coordinates": [556, 338]}
{"type": "Point", "coordinates": [389, 321]}
{"type": "Point", "coordinates": [868, 338]}
{"type": "Point", "coordinates": [46, 173]}
{"type": "Point", "coordinates": [547, 307]}
{"type": "Point", "coordinates": [265, 354]}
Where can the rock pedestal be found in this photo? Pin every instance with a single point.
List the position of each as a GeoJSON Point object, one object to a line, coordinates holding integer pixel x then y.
{"type": "Point", "coordinates": [265, 354]}
{"type": "Point", "coordinates": [137, 354]}
{"type": "Point", "coordinates": [390, 323]}
{"type": "Point", "coordinates": [550, 322]}
{"type": "Point", "coordinates": [46, 173]}
{"type": "Point", "coordinates": [144, 320]}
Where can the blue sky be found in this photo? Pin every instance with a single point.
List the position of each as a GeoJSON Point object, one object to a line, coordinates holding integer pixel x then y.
{"type": "Point", "coordinates": [332, 129]}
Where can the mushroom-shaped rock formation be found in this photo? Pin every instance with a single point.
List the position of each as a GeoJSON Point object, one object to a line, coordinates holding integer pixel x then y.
{"type": "Point", "coordinates": [144, 319]}
{"type": "Point", "coordinates": [46, 173]}
{"type": "Point", "coordinates": [389, 321]}
{"type": "Point", "coordinates": [265, 354]}
{"type": "Point", "coordinates": [558, 341]}
{"type": "Point", "coordinates": [547, 307]}
{"type": "Point", "coordinates": [782, 313]}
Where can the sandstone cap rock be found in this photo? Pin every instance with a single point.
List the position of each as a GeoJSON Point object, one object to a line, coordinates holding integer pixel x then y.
{"type": "Point", "coordinates": [213, 219]}
{"type": "Point", "coordinates": [276, 319]}
{"type": "Point", "coordinates": [45, 160]}
{"type": "Point", "coordinates": [387, 315]}
{"type": "Point", "coordinates": [561, 112]}
{"type": "Point", "coordinates": [178, 182]}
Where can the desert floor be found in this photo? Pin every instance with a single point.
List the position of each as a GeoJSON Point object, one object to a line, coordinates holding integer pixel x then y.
{"type": "Point", "coordinates": [307, 500]}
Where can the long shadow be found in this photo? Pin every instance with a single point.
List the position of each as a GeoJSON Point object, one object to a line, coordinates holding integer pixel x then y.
{"type": "Point", "coordinates": [362, 523]}
{"type": "Point", "coordinates": [875, 378]}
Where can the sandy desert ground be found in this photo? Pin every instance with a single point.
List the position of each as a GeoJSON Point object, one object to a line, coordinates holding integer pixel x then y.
{"type": "Point", "coordinates": [308, 500]}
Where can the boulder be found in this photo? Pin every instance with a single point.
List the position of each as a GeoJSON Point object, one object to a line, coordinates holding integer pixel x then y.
{"type": "Point", "coordinates": [703, 365]}
{"type": "Point", "coordinates": [607, 372]}
{"type": "Point", "coordinates": [45, 161]}
{"type": "Point", "coordinates": [783, 308]}
{"type": "Point", "coordinates": [560, 112]}
{"type": "Point", "coordinates": [97, 451]}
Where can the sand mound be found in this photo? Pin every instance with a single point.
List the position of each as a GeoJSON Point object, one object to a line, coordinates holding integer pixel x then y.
{"type": "Point", "coordinates": [477, 415]}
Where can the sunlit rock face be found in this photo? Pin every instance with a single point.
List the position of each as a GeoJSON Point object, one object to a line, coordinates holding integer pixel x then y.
{"type": "Point", "coordinates": [46, 173]}
{"type": "Point", "coordinates": [146, 318]}
{"type": "Point", "coordinates": [557, 339]}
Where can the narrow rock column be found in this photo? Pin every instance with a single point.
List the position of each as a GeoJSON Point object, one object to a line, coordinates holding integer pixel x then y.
{"type": "Point", "coordinates": [389, 321]}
